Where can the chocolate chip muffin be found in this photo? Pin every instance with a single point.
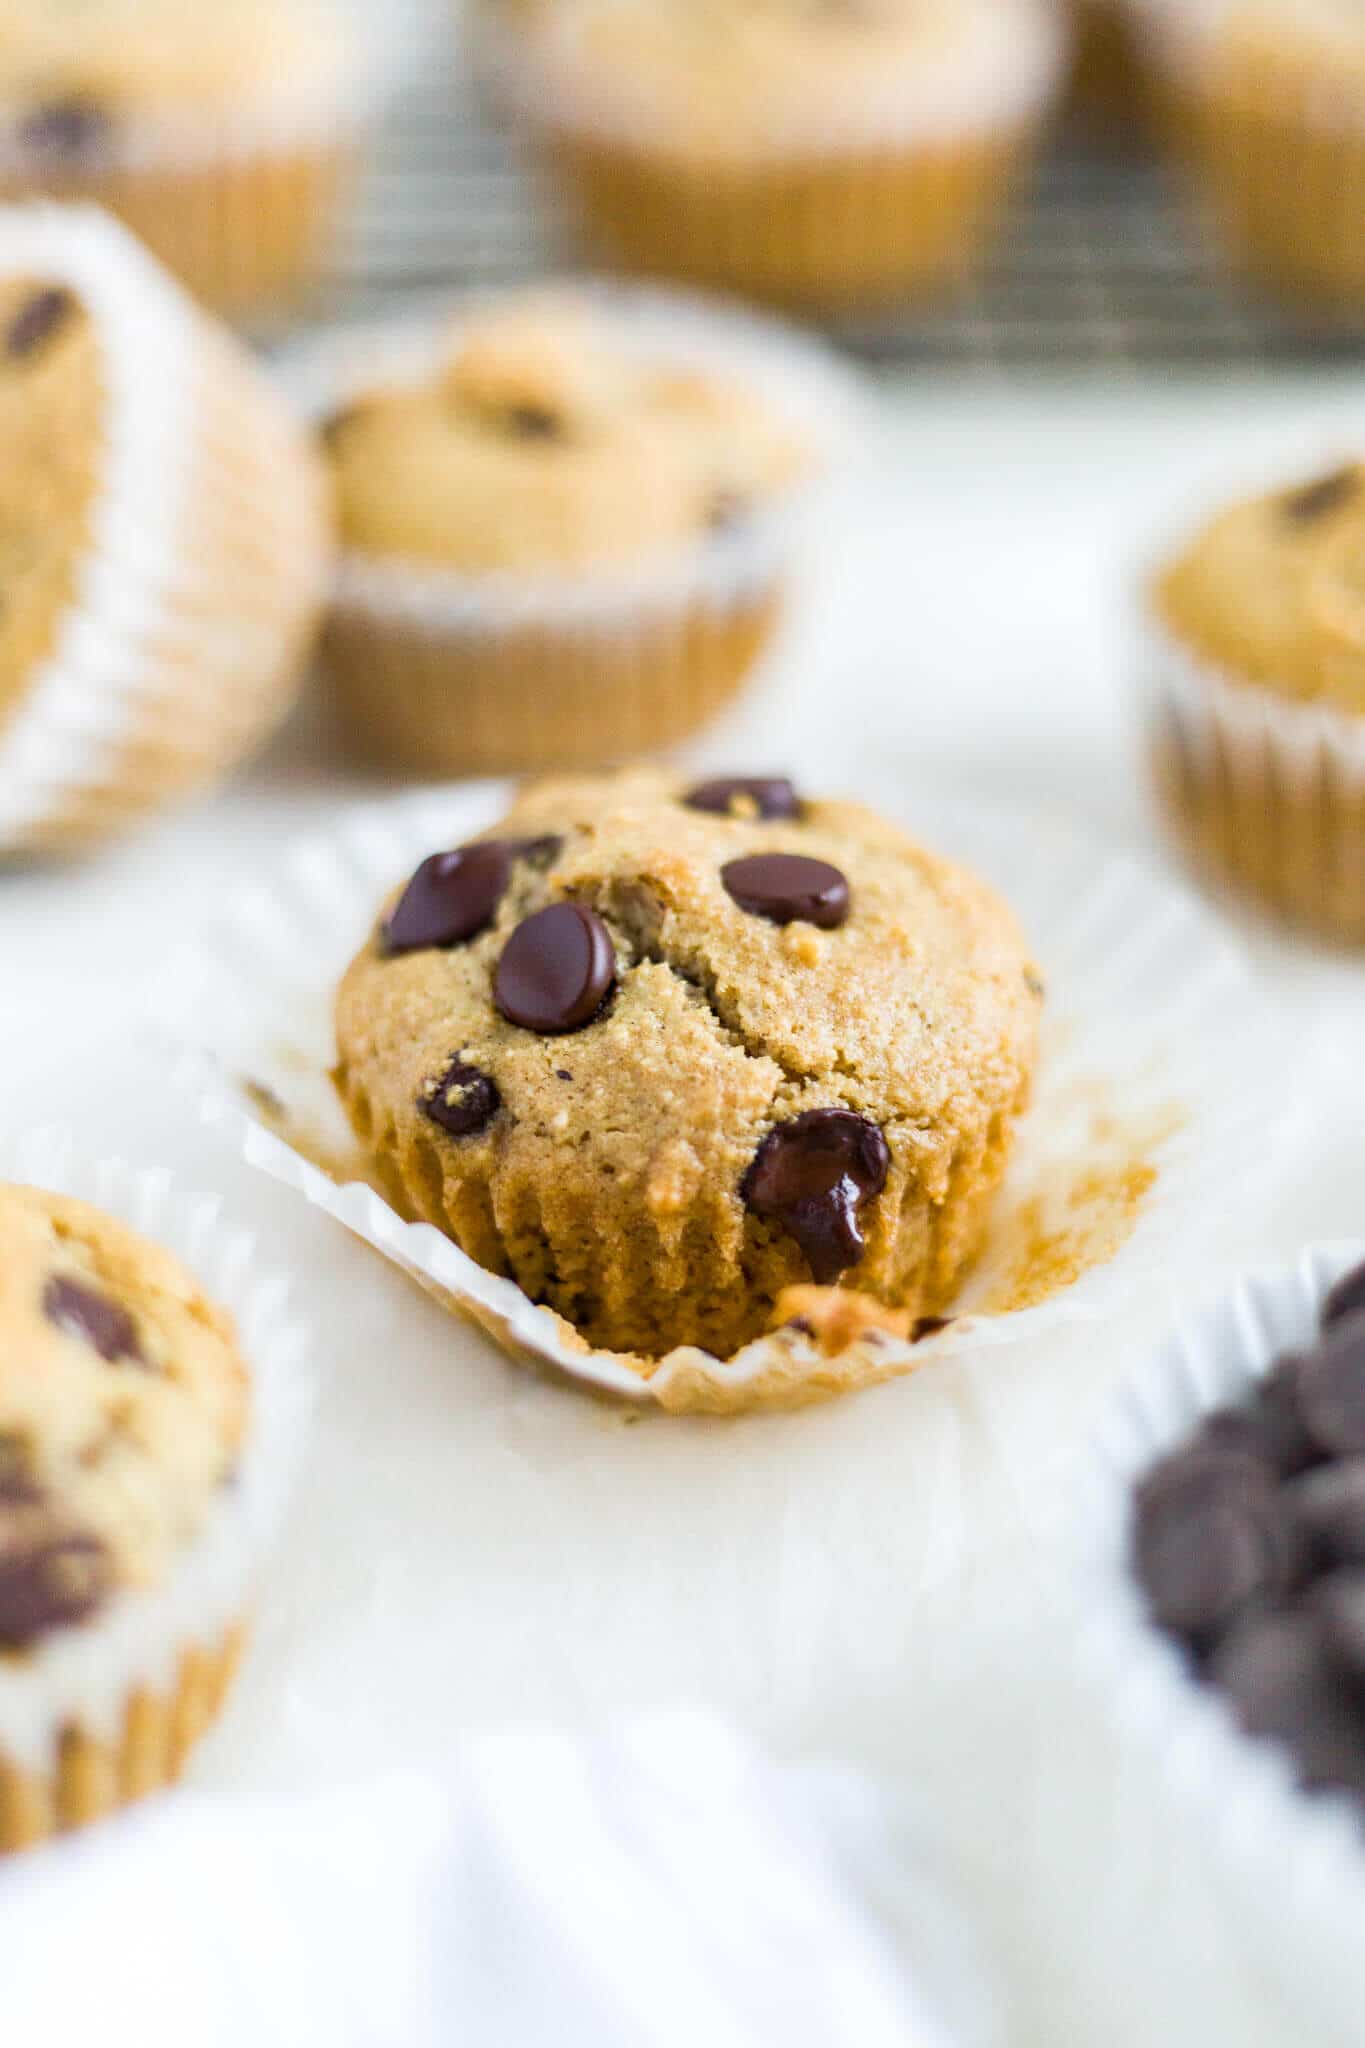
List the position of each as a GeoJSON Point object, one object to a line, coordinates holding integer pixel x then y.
{"type": "Point", "coordinates": [124, 1407]}
{"type": "Point", "coordinates": [558, 537]}
{"type": "Point", "coordinates": [1258, 695]}
{"type": "Point", "coordinates": [660, 1051]}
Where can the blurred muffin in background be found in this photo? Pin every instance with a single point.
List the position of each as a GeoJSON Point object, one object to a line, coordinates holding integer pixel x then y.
{"type": "Point", "coordinates": [1257, 674]}
{"type": "Point", "coordinates": [1263, 102]}
{"type": "Point", "coordinates": [565, 521]}
{"type": "Point", "coordinates": [812, 154]}
{"type": "Point", "coordinates": [223, 135]}
{"type": "Point", "coordinates": [1107, 89]}
{"type": "Point", "coordinates": [163, 538]}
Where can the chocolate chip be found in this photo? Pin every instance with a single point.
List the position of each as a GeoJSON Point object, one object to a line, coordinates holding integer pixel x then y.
{"type": "Point", "coordinates": [1316, 500]}
{"type": "Point", "coordinates": [1211, 1539]}
{"type": "Point", "coordinates": [462, 1101]}
{"type": "Point", "coordinates": [812, 1176]}
{"type": "Point", "coordinates": [18, 1486]}
{"type": "Point", "coordinates": [331, 428]}
{"type": "Point", "coordinates": [71, 129]}
{"type": "Point", "coordinates": [1338, 1602]}
{"type": "Point", "coordinates": [1269, 1427]}
{"type": "Point", "coordinates": [929, 1326]}
{"type": "Point", "coordinates": [563, 1074]}
{"type": "Point", "coordinates": [38, 320]}
{"type": "Point", "coordinates": [452, 897]}
{"type": "Point", "coordinates": [534, 422]}
{"type": "Point", "coordinates": [1329, 1507]}
{"type": "Point", "coordinates": [47, 1581]}
{"type": "Point", "coordinates": [83, 1312]}
{"type": "Point", "coordinates": [785, 887]}
{"type": "Point", "coordinates": [556, 970]}
{"type": "Point", "coordinates": [1282, 1680]}
{"type": "Point", "coordinates": [727, 510]}
{"type": "Point", "coordinates": [1331, 1389]}
{"type": "Point", "coordinates": [1347, 1298]}
{"type": "Point", "coordinates": [746, 796]}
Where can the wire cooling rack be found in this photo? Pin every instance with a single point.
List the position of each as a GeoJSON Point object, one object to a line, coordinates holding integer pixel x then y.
{"type": "Point", "coordinates": [1099, 268]}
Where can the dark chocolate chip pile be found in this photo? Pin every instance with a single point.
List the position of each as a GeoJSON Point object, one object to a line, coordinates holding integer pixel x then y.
{"type": "Point", "coordinates": [1249, 1543]}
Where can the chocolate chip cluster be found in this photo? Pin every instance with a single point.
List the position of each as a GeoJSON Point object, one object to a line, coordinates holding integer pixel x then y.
{"type": "Point", "coordinates": [1249, 1543]}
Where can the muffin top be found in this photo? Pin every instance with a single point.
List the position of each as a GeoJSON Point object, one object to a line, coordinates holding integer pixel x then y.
{"type": "Point", "coordinates": [51, 426]}
{"type": "Point", "coordinates": [69, 73]}
{"type": "Point", "coordinates": [541, 444]}
{"type": "Point", "coordinates": [732, 77]}
{"type": "Point", "coordinates": [1273, 590]}
{"type": "Point", "coordinates": [123, 1405]}
{"type": "Point", "coordinates": [664, 1002]}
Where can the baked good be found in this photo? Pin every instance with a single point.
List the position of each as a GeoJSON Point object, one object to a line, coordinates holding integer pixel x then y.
{"type": "Point", "coordinates": [223, 135]}
{"type": "Point", "coordinates": [124, 1413]}
{"type": "Point", "coordinates": [163, 537]}
{"type": "Point", "coordinates": [812, 155]}
{"type": "Point", "coordinates": [561, 534]}
{"type": "Point", "coordinates": [1257, 673]}
{"type": "Point", "coordinates": [1263, 102]}
{"type": "Point", "coordinates": [663, 1051]}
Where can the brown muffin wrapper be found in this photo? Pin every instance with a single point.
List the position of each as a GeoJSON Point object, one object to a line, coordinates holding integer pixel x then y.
{"type": "Point", "coordinates": [1264, 793]}
{"type": "Point", "coordinates": [252, 569]}
{"type": "Point", "coordinates": [432, 701]}
{"type": "Point", "coordinates": [826, 230]}
{"type": "Point", "coordinates": [91, 1778]}
{"type": "Point", "coordinates": [1284, 191]}
{"type": "Point", "coordinates": [247, 234]}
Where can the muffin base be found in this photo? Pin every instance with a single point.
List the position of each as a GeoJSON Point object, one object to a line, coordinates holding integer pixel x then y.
{"type": "Point", "coordinates": [432, 701]}
{"type": "Point", "coordinates": [245, 233]}
{"type": "Point", "coordinates": [92, 1777]}
{"type": "Point", "coordinates": [825, 231]}
{"type": "Point", "coordinates": [1264, 794]}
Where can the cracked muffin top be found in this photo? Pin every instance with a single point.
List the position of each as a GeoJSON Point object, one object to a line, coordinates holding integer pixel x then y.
{"type": "Point", "coordinates": [660, 1051]}
{"type": "Point", "coordinates": [542, 442]}
{"type": "Point", "coordinates": [1272, 591]}
{"type": "Point", "coordinates": [123, 1405]}
{"type": "Point", "coordinates": [51, 430]}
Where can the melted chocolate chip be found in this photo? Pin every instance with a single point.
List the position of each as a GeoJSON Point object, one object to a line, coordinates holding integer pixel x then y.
{"type": "Point", "coordinates": [929, 1326]}
{"type": "Point", "coordinates": [452, 897]}
{"type": "Point", "coordinates": [70, 129]}
{"type": "Point", "coordinates": [787, 887]}
{"type": "Point", "coordinates": [1347, 1298]}
{"type": "Point", "coordinates": [47, 1581]}
{"type": "Point", "coordinates": [556, 970]}
{"type": "Point", "coordinates": [38, 320]}
{"type": "Point", "coordinates": [462, 1102]}
{"type": "Point", "coordinates": [99, 1322]}
{"type": "Point", "coordinates": [746, 796]}
{"type": "Point", "coordinates": [1316, 500]}
{"type": "Point", "coordinates": [812, 1176]}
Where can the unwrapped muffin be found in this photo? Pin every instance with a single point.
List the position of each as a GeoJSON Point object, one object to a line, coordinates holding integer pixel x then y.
{"type": "Point", "coordinates": [163, 539]}
{"type": "Point", "coordinates": [125, 1414]}
{"type": "Point", "coordinates": [565, 524]}
{"type": "Point", "coordinates": [224, 135]}
{"type": "Point", "coordinates": [813, 155]}
{"type": "Point", "coordinates": [665, 1053]}
{"type": "Point", "coordinates": [1256, 659]}
{"type": "Point", "coordinates": [1263, 102]}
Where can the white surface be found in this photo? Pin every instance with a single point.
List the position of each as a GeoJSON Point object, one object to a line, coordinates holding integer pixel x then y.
{"type": "Point", "coordinates": [892, 1586]}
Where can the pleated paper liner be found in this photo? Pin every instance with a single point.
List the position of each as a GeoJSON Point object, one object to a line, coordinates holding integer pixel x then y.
{"type": "Point", "coordinates": [1293, 1863]}
{"type": "Point", "coordinates": [1151, 1110]}
{"type": "Point", "coordinates": [95, 1716]}
{"type": "Point", "coordinates": [437, 672]}
{"type": "Point", "coordinates": [204, 571]}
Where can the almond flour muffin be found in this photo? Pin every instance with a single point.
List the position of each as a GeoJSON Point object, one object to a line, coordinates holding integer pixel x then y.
{"type": "Point", "coordinates": [1264, 103]}
{"type": "Point", "coordinates": [124, 1407]}
{"type": "Point", "coordinates": [558, 535]}
{"type": "Point", "coordinates": [810, 154]}
{"type": "Point", "coordinates": [163, 541]}
{"type": "Point", "coordinates": [223, 135]}
{"type": "Point", "coordinates": [662, 1052]}
{"type": "Point", "coordinates": [1258, 674]}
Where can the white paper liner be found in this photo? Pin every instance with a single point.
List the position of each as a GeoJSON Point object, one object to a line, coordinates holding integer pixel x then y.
{"type": "Point", "coordinates": [85, 1674]}
{"type": "Point", "coordinates": [1296, 1861]}
{"type": "Point", "coordinates": [805, 386]}
{"type": "Point", "coordinates": [1001, 63]}
{"type": "Point", "coordinates": [1151, 1013]}
{"type": "Point", "coordinates": [106, 666]}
